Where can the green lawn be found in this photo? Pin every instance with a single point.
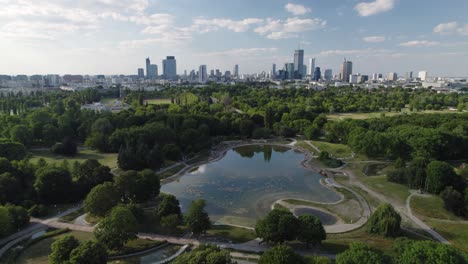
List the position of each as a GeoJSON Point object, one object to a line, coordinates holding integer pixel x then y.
{"type": "Point", "coordinates": [171, 172]}
{"type": "Point", "coordinates": [159, 101]}
{"type": "Point", "coordinates": [432, 207]}
{"type": "Point", "coordinates": [107, 159]}
{"type": "Point", "coordinates": [303, 144]}
{"type": "Point", "coordinates": [72, 216]}
{"type": "Point", "coordinates": [455, 233]}
{"type": "Point", "coordinates": [336, 150]}
{"type": "Point", "coordinates": [392, 190]}
{"type": "Point", "coordinates": [232, 233]}
{"type": "Point", "coordinates": [342, 116]}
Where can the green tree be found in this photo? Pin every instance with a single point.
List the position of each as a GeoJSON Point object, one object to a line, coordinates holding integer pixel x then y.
{"type": "Point", "coordinates": [5, 222]}
{"type": "Point", "coordinates": [359, 253]}
{"type": "Point", "coordinates": [19, 216]}
{"type": "Point", "coordinates": [101, 199]}
{"type": "Point", "coordinates": [439, 175]}
{"type": "Point", "coordinates": [205, 254]}
{"type": "Point", "coordinates": [138, 186]}
{"type": "Point", "coordinates": [278, 226]}
{"type": "Point", "coordinates": [115, 230]}
{"type": "Point", "coordinates": [10, 188]}
{"type": "Point", "coordinates": [427, 252]}
{"type": "Point", "coordinates": [197, 219]}
{"type": "Point", "coordinates": [454, 201]}
{"type": "Point", "coordinates": [281, 254]}
{"type": "Point", "coordinates": [53, 184]}
{"type": "Point", "coordinates": [311, 230]}
{"type": "Point", "coordinates": [385, 221]}
{"type": "Point", "coordinates": [89, 252]}
{"type": "Point", "coordinates": [168, 206]}
{"type": "Point", "coordinates": [62, 248]}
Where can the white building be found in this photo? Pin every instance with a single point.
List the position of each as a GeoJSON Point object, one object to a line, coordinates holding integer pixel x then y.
{"type": "Point", "coordinates": [353, 78]}
{"type": "Point", "coordinates": [422, 75]}
{"type": "Point", "coordinates": [311, 67]}
{"type": "Point", "coordinates": [392, 76]}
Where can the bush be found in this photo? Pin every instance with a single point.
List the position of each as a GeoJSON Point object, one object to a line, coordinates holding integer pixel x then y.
{"type": "Point", "coordinates": [38, 210]}
{"type": "Point", "coordinates": [261, 132]}
{"type": "Point", "coordinates": [385, 221]}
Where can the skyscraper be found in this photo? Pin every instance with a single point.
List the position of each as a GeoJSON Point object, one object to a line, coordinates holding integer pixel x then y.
{"type": "Point", "coordinates": [202, 74]}
{"type": "Point", "coordinates": [311, 67]}
{"type": "Point", "coordinates": [148, 63]}
{"type": "Point", "coordinates": [170, 68]}
{"type": "Point", "coordinates": [422, 75]}
{"type": "Point", "coordinates": [298, 63]}
{"type": "Point", "coordinates": [346, 70]}
{"type": "Point", "coordinates": [328, 75]}
{"type": "Point", "coordinates": [152, 71]}
{"type": "Point", "coordinates": [392, 76]}
{"type": "Point", "coordinates": [273, 70]}
{"type": "Point", "coordinates": [289, 68]}
{"type": "Point", "coordinates": [236, 70]}
{"type": "Point", "coordinates": [317, 74]}
{"type": "Point", "coordinates": [141, 73]}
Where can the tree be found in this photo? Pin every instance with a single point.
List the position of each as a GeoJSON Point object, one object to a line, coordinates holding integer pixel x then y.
{"type": "Point", "coordinates": [197, 219]}
{"type": "Point", "coordinates": [91, 173]}
{"type": "Point", "coordinates": [454, 201]}
{"type": "Point", "coordinates": [205, 254]}
{"type": "Point", "coordinates": [62, 248]}
{"type": "Point", "coordinates": [10, 188]}
{"type": "Point", "coordinates": [19, 216]}
{"type": "Point", "coordinates": [359, 253]}
{"type": "Point", "coordinates": [168, 206]}
{"type": "Point", "coordinates": [278, 226]}
{"type": "Point", "coordinates": [5, 222]}
{"type": "Point", "coordinates": [427, 252]}
{"type": "Point", "coordinates": [12, 150]}
{"type": "Point", "coordinates": [101, 199]}
{"type": "Point", "coordinates": [138, 186]}
{"type": "Point", "coordinates": [115, 230]}
{"type": "Point", "coordinates": [89, 252]}
{"type": "Point", "coordinates": [439, 175]}
{"type": "Point", "coordinates": [281, 254]}
{"type": "Point", "coordinates": [385, 221]}
{"type": "Point", "coordinates": [67, 148]}
{"type": "Point", "coordinates": [53, 184]}
{"type": "Point", "coordinates": [311, 230]}
{"type": "Point", "coordinates": [172, 152]}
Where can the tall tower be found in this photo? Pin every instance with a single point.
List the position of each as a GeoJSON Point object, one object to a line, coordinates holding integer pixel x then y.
{"type": "Point", "coordinates": [346, 70]}
{"type": "Point", "coordinates": [310, 69]}
{"type": "Point", "coordinates": [236, 70]}
{"type": "Point", "coordinates": [202, 74]}
{"type": "Point", "coordinates": [170, 68]}
{"type": "Point", "coordinates": [298, 63]}
{"type": "Point", "coordinates": [273, 70]}
{"type": "Point", "coordinates": [148, 63]}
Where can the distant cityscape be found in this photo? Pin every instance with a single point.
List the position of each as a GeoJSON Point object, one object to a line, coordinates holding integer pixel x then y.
{"type": "Point", "coordinates": [293, 73]}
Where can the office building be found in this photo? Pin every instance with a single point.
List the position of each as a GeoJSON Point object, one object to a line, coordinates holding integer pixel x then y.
{"type": "Point", "coordinates": [353, 78]}
{"type": "Point", "coordinates": [328, 75]}
{"type": "Point", "coordinates": [392, 76]}
{"type": "Point", "coordinates": [141, 73]}
{"type": "Point", "coordinates": [170, 68]}
{"type": "Point", "coordinates": [409, 75]}
{"type": "Point", "coordinates": [317, 74]}
{"type": "Point", "coordinates": [346, 70]}
{"type": "Point", "coordinates": [304, 71]}
{"type": "Point", "coordinates": [273, 71]}
{"type": "Point", "coordinates": [289, 71]}
{"type": "Point", "coordinates": [152, 71]}
{"type": "Point", "coordinates": [298, 63]}
{"type": "Point", "coordinates": [202, 74]}
{"type": "Point", "coordinates": [422, 75]}
{"type": "Point", "coordinates": [311, 67]}
{"type": "Point", "coordinates": [236, 70]}
{"type": "Point", "coordinates": [148, 63]}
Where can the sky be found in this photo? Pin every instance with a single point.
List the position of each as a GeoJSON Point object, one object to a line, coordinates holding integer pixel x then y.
{"type": "Point", "coordinates": [115, 36]}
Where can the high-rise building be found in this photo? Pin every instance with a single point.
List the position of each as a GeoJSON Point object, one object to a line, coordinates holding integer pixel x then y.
{"type": "Point", "coordinates": [152, 71]}
{"type": "Point", "coordinates": [273, 70]}
{"type": "Point", "coordinates": [289, 68]}
{"type": "Point", "coordinates": [422, 75]}
{"type": "Point", "coordinates": [148, 63]}
{"type": "Point", "coordinates": [236, 70]}
{"type": "Point", "coordinates": [328, 75]}
{"type": "Point", "coordinates": [202, 74]}
{"type": "Point", "coordinates": [317, 74]}
{"type": "Point", "coordinates": [392, 76]}
{"type": "Point", "coordinates": [311, 67]}
{"type": "Point", "coordinates": [409, 75]}
{"type": "Point", "coordinates": [141, 73]}
{"type": "Point", "coordinates": [170, 68]}
{"type": "Point", "coordinates": [353, 78]}
{"type": "Point", "coordinates": [298, 63]}
{"type": "Point", "coordinates": [346, 70]}
{"type": "Point", "coordinates": [304, 71]}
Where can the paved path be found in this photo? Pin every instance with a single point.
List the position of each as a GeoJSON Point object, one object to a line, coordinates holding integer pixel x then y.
{"type": "Point", "coordinates": [421, 224]}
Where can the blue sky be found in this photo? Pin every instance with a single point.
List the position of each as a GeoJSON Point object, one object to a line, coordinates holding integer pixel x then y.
{"type": "Point", "coordinates": [115, 36]}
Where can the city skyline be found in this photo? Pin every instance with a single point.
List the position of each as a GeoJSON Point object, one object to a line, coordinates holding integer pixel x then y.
{"type": "Point", "coordinates": [111, 37]}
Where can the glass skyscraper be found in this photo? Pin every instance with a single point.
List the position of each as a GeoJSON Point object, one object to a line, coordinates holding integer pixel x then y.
{"type": "Point", "coordinates": [170, 68]}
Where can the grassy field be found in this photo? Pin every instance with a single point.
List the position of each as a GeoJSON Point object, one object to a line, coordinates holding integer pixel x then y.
{"type": "Point", "coordinates": [107, 159]}
{"type": "Point", "coordinates": [392, 190]}
{"type": "Point", "coordinates": [432, 207]}
{"type": "Point", "coordinates": [303, 144]}
{"type": "Point", "coordinates": [342, 116]}
{"type": "Point", "coordinates": [232, 233]}
{"type": "Point", "coordinates": [455, 233]}
{"type": "Point", "coordinates": [72, 216]}
{"type": "Point", "coordinates": [158, 101]}
{"type": "Point", "coordinates": [171, 172]}
{"type": "Point", "coordinates": [38, 252]}
{"type": "Point", "coordinates": [336, 150]}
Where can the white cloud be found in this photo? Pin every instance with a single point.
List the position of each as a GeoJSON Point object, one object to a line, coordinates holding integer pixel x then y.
{"type": "Point", "coordinates": [130, 5]}
{"type": "Point", "coordinates": [242, 52]}
{"type": "Point", "coordinates": [296, 9]}
{"type": "Point", "coordinates": [208, 25]}
{"type": "Point", "coordinates": [463, 30]}
{"type": "Point", "coordinates": [290, 28]}
{"type": "Point", "coordinates": [420, 43]}
{"type": "Point", "coordinates": [446, 28]}
{"type": "Point", "coordinates": [374, 39]}
{"type": "Point", "coordinates": [38, 30]}
{"type": "Point", "coordinates": [372, 8]}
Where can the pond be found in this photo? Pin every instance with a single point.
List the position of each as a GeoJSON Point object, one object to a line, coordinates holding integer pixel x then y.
{"type": "Point", "coordinates": [241, 187]}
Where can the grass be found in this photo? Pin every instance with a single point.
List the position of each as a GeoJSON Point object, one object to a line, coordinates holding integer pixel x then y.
{"type": "Point", "coordinates": [159, 101]}
{"type": "Point", "coordinates": [37, 253]}
{"type": "Point", "coordinates": [69, 218]}
{"type": "Point", "coordinates": [232, 233]}
{"type": "Point", "coordinates": [200, 157]}
{"type": "Point", "coordinates": [377, 169]}
{"type": "Point", "coordinates": [455, 233]}
{"type": "Point", "coordinates": [392, 190]}
{"type": "Point", "coordinates": [431, 207]}
{"type": "Point", "coordinates": [171, 172]}
{"type": "Point", "coordinates": [92, 219]}
{"type": "Point", "coordinates": [107, 159]}
{"type": "Point", "coordinates": [303, 144]}
{"type": "Point", "coordinates": [342, 116]}
{"type": "Point", "coordinates": [335, 150]}
{"type": "Point", "coordinates": [137, 245]}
